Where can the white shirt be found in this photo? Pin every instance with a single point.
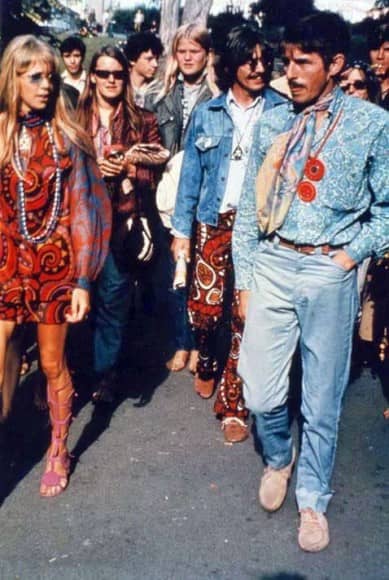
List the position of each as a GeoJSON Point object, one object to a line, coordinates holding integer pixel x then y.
{"type": "Point", "coordinates": [78, 84]}
{"type": "Point", "coordinates": [244, 119]}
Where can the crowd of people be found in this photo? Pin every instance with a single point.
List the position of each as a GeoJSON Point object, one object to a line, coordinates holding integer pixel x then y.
{"type": "Point", "coordinates": [259, 218]}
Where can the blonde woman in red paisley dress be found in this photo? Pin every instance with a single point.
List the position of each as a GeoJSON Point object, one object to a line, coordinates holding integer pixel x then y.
{"type": "Point", "coordinates": [52, 203]}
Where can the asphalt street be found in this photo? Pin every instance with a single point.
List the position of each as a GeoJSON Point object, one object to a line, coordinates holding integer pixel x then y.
{"type": "Point", "coordinates": [156, 493]}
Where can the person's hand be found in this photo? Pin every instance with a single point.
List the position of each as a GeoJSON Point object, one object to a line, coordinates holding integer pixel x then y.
{"type": "Point", "coordinates": [111, 166]}
{"type": "Point", "coordinates": [79, 306]}
{"type": "Point", "coordinates": [344, 261]}
{"type": "Point", "coordinates": [244, 296]}
{"type": "Point", "coordinates": [181, 246]}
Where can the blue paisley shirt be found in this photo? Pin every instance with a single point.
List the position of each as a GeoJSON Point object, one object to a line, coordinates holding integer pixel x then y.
{"type": "Point", "coordinates": [351, 207]}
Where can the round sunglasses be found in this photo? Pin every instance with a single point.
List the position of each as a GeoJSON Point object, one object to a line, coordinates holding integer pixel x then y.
{"type": "Point", "coordinates": [38, 78]}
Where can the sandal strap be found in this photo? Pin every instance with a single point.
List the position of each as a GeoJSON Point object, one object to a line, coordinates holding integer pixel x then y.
{"type": "Point", "coordinates": [228, 420]}
{"type": "Point", "coordinates": [51, 478]}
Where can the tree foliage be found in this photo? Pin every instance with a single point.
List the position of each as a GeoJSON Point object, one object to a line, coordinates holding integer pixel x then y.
{"type": "Point", "coordinates": [381, 3]}
{"type": "Point", "coordinates": [282, 12]}
{"type": "Point", "coordinates": [221, 24]}
{"type": "Point", "coordinates": [23, 17]}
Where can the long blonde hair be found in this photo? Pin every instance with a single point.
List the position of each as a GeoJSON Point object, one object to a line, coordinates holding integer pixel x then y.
{"type": "Point", "coordinates": [196, 33]}
{"type": "Point", "coordinates": [19, 55]}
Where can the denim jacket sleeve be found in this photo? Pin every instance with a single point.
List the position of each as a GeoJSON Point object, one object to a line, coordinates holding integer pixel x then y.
{"type": "Point", "coordinates": [190, 181]}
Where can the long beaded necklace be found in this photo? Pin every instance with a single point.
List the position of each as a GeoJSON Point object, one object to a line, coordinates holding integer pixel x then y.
{"type": "Point", "coordinates": [53, 217]}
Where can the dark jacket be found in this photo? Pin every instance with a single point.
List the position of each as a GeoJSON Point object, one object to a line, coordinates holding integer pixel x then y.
{"type": "Point", "coordinates": [168, 110]}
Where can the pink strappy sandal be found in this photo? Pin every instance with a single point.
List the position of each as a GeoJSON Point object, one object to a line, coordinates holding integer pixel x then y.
{"type": "Point", "coordinates": [51, 479]}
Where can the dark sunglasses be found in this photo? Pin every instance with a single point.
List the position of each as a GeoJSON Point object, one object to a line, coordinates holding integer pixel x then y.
{"type": "Point", "coordinates": [118, 75]}
{"type": "Point", "coordinates": [358, 86]}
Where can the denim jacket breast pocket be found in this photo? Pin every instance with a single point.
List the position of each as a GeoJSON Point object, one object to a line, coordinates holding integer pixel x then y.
{"type": "Point", "coordinates": [207, 145]}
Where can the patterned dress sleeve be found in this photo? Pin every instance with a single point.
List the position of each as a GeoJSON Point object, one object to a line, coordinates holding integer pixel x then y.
{"type": "Point", "coordinates": [90, 217]}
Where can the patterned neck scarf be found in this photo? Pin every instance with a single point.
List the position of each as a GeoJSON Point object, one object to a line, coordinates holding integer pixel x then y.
{"type": "Point", "coordinates": [284, 165]}
{"type": "Point", "coordinates": [32, 119]}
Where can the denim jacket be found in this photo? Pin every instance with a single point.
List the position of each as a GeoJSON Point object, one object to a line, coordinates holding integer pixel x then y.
{"type": "Point", "coordinates": [206, 162]}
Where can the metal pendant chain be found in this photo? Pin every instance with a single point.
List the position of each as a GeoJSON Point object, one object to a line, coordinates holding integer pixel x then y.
{"type": "Point", "coordinates": [53, 217]}
{"type": "Point", "coordinates": [238, 151]}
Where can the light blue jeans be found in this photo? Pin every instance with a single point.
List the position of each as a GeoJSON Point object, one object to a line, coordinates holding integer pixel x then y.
{"type": "Point", "coordinates": [311, 300]}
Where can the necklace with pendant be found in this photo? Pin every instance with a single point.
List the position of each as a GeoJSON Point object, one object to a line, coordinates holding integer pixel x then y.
{"type": "Point", "coordinates": [56, 203]}
{"type": "Point", "coordinates": [238, 152]}
{"type": "Point", "coordinates": [315, 169]}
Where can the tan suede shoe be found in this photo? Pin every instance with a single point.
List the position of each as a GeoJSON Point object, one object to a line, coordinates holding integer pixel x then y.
{"type": "Point", "coordinates": [313, 534]}
{"type": "Point", "coordinates": [274, 485]}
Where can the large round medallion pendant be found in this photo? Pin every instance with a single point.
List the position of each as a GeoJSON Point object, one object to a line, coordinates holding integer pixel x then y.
{"type": "Point", "coordinates": [314, 169]}
{"type": "Point", "coordinates": [306, 191]}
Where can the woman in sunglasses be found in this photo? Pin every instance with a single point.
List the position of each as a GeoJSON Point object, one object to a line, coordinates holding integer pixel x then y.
{"type": "Point", "coordinates": [108, 112]}
{"type": "Point", "coordinates": [359, 80]}
{"type": "Point", "coordinates": [55, 227]}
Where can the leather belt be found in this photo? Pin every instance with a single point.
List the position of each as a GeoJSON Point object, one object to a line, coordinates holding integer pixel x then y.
{"type": "Point", "coordinates": [324, 249]}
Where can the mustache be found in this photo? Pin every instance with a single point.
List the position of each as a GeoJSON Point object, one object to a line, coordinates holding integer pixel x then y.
{"type": "Point", "coordinates": [294, 85]}
{"type": "Point", "coordinates": [256, 76]}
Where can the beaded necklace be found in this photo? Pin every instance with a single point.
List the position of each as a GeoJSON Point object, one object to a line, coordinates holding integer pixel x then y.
{"type": "Point", "coordinates": [22, 213]}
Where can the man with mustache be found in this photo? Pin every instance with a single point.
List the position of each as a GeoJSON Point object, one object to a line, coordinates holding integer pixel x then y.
{"type": "Point", "coordinates": [215, 161]}
{"type": "Point", "coordinates": [313, 206]}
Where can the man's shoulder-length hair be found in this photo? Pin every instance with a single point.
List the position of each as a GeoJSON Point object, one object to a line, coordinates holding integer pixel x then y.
{"type": "Point", "coordinates": [238, 49]}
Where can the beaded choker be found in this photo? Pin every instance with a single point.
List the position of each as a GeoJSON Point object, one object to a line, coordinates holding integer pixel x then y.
{"type": "Point", "coordinates": [55, 207]}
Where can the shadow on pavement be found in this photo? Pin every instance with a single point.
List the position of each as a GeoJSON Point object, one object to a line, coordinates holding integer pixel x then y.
{"type": "Point", "coordinates": [25, 436]}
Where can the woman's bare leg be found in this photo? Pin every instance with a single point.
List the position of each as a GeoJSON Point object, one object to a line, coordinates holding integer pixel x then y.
{"type": "Point", "coordinates": [51, 342]}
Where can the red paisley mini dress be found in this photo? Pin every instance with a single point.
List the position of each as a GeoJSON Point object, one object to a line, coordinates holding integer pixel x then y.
{"type": "Point", "coordinates": [36, 280]}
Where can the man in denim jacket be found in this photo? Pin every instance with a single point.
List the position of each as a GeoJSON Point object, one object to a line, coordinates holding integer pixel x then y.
{"type": "Point", "coordinates": [314, 205]}
{"type": "Point", "coordinates": [217, 149]}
